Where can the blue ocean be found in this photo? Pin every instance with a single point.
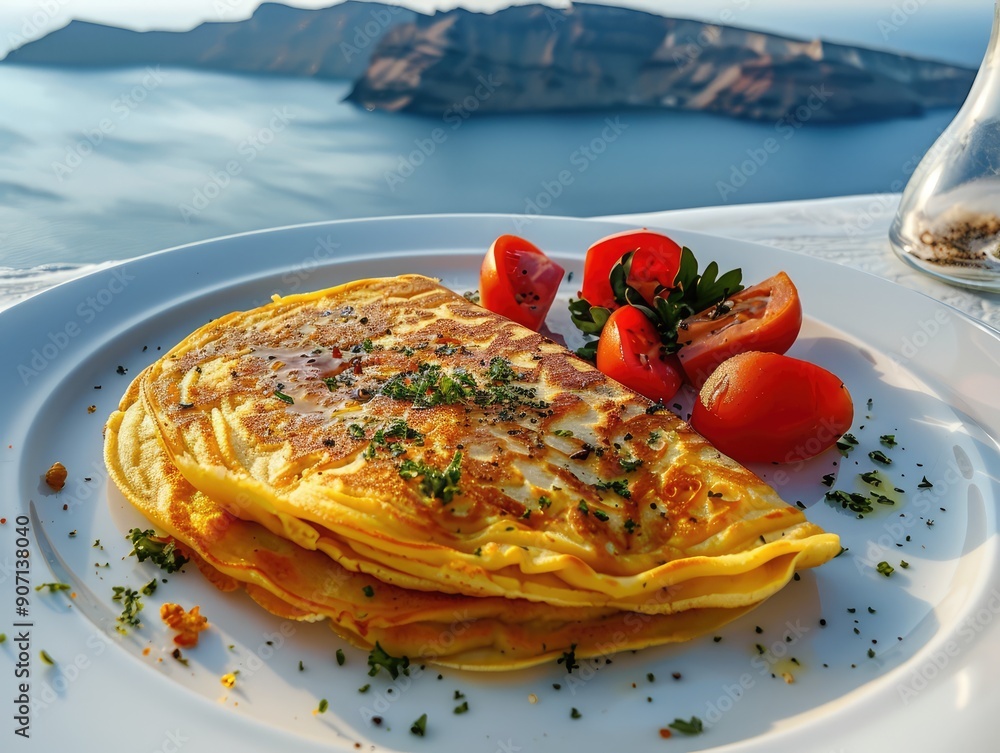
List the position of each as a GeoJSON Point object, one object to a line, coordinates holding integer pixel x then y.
{"type": "Point", "coordinates": [99, 165]}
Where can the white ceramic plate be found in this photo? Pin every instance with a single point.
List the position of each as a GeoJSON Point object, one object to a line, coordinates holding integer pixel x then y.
{"type": "Point", "coordinates": [932, 376]}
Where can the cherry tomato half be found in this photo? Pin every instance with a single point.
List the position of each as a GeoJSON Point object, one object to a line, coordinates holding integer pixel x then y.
{"type": "Point", "coordinates": [764, 317]}
{"type": "Point", "coordinates": [656, 261]}
{"type": "Point", "coordinates": [769, 407]}
{"type": "Point", "coordinates": [630, 351]}
{"type": "Point", "coordinates": [518, 281]}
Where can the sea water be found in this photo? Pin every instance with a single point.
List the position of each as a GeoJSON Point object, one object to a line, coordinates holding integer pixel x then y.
{"type": "Point", "coordinates": [107, 164]}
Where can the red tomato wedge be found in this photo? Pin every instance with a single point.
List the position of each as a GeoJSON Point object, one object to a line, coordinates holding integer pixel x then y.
{"type": "Point", "coordinates": [630, 351]}
{"type": "Point", "coordinates": [767, 407]}
{"type": "Point", "coordinates": [656, 261]}
{"type": "Point", "coordinates": [765, 317]}
{"type": "Point", "coordinates": [519, 281]}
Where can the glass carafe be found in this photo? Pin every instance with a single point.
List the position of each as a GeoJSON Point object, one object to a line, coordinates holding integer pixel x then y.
{"type": "Point", "coordinates": [948, 222]}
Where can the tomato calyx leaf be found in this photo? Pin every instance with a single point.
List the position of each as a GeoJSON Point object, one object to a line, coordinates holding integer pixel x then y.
{"type": "Point", "coordinates": [590, 320]}
{"type": "Point", "coordinates": [691, 292]}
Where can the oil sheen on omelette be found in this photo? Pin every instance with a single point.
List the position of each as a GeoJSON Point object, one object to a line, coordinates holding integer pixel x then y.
{"type": "Point", "coordinates": [386, 454]}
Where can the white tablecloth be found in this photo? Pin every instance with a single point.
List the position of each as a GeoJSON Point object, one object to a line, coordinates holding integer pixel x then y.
{"type": "Point", "coordinates": [850, 230]}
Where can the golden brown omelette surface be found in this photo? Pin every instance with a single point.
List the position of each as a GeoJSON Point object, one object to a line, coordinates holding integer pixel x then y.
{"type": "Point", "coordinates": [391, 430]}
{"type": "Point", "coordinates": [416, 425]}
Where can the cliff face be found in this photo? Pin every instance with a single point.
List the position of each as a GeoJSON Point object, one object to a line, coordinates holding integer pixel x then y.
{"type": "Point", "coordinates": [334, 42]}
{"type": "Point", "coordinates": [591, 56]}
{"type": "Point", "coordinates": [534, 58]}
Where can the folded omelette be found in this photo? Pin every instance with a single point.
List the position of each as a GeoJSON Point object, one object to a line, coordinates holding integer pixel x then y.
{"type": "Point", "coordinates": [386, 454]}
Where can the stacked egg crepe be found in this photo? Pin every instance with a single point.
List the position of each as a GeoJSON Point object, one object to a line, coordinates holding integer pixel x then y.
{"type": "Point", "coordinates": [433, 477]}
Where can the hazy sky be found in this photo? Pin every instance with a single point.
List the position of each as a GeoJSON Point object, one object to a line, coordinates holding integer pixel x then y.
{"type": "Point", "coordinates": [950, 29]}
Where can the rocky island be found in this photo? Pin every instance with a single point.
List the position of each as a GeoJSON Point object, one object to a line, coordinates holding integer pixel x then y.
{"type": "Point", "coordinates": [534, 58]}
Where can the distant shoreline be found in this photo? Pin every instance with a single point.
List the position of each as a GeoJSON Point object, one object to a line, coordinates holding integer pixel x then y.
{"type": "Point", "coordinates": [585, 58]}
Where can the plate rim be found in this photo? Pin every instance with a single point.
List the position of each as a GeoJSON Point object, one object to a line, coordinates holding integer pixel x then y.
{"type": "Point", "coordinates": [66, 288]}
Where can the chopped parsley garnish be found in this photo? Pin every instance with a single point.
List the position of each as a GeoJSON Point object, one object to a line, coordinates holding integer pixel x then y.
{"type": "Point", "coordinates": [692, 292]}
{"type": "Point", "coordinates": [131, 605]}
{"type": "Point", "coordinates": [398, 429]}
{"type": "Point", "coordinates": [419, 727]}
{"type": "Point", "coordinates": [356, 431]}
{"type": "Point", "coordinates": [44, 656]}
{"type": "Point", "coordinates": [654, 437]}
{"type": "Point", "coordinates": [500, 370]}
{"type": "Point", "coordinates": [150, 588]}
{"type": "Point", "coordinates": [323, 706]}
{"type": "Point", "coordinates": [881, 498]}
{"type": "Point", "coordinates": [629, 464]}
{"type": "Point", "coordinates": [368, 591]}
{"type": "Point", "coordinates": [164, 553]}
{"type": "Point", "coordinates": [880, 457]}
{"type": "Point", "coordinates": [284, 398]}
{"type": "Point", "coordinates": [693, 726]}
{"type": "Point", "coordinates": [850, 500]}
{"type": "Point", "coordinates": [378, 658]}
{"type": "Point", "coordinates": [569, 659]}
{"type": "Point", "coordinates": [601, 515]}
{"type": "Point", "coordinates": [846, 443]}
{"type": "Point", "coordinates": [828, 479]}
{"type": "Point", "coordinates": [340, 657]}
{"type": "Point", "coordinates": [544, 502]}
{"type": "Point", "coordinates": [889, 440]}
{"type": "Point", "coordinates": [53, 587]}
{"type": "Point", "coordinates": [563, 433]}
{"type": "Point", "coordinates": [924, 484]}
{"type": "Point", "coordinates": [885, 568]}
{"type": "Point", "coordinates": [462, 707]}
{"type": "Point", "coordinates": [629, 525]}
{"type": "Point", "coordinates": [365, 688]}
{"type": "Point", "coordinates": [871, 478]}
{"type": "Point", "coordinates": [510, 396]}
{"type": "Point", "coordinates": [429, 385]}
{"type": "Point", "coordinates": [619, 487]}
{"type": "Point", "coordinates": [582, 507]}
{"type": "Point", "coordinates": [904, 564]}
{"type": "Point", "coordinates": [574, 713]}
{"type": "Point", "coordinates": [437, 484]}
